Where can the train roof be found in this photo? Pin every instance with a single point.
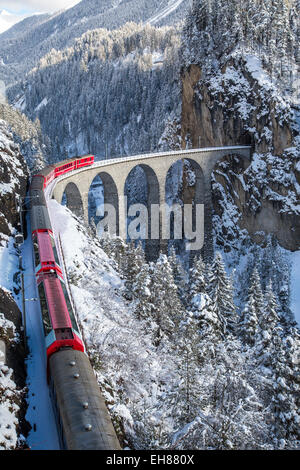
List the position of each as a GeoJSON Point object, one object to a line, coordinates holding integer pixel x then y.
{"type": "Point", "coordinates": [39, 218]}
{"type": "Point", "coordinates": [44, 172]}
{"type": "Point", "coordinates": [37, 197]}
{"type": "Point", "coordinates": [69, 160]}
{"type": "Point", "coordinates": [58, 311]}
{"type": "Point", "coordinates": [37, 182]}
{"type": "Point", "coordinates": [85, 427]}
{"type": "Point", "coordinates": [45, 247]}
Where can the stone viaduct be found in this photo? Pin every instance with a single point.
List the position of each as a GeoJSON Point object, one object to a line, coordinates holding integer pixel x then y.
{"type": "Point", "coordinates": [114, 173]}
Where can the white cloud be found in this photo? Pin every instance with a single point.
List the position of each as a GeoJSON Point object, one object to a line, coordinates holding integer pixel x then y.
{"type": "Point", "coordinates": [36, 5]}
{"type": "Point", "coordinates": [7, 20]}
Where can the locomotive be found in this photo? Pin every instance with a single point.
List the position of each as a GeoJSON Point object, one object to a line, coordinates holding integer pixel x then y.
{"type": "Point", "coordinates": [83, 421]}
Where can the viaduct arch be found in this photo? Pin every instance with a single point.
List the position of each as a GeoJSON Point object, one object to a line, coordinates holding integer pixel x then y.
{"type": "Point", "coordinates": [115, 172]}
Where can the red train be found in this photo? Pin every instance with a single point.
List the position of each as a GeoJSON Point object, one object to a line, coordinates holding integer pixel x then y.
{"type": "Point", "coordinates": [83, 421]}
{"type": "Point", "coordinates": [60, 327]}
{"type": "Point", "coordinates": [53, 171]}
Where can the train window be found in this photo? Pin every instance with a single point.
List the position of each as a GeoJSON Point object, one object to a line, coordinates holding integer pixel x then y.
{"type": "Point", "coordinates": [44, 308]}
{"type": "Point", "coordinates": [69, 307]}
{"type": "Point", "coordinates": [63, 334]}
{"type": "Point", "coordinates": [54, 251]}
{"type": "Point", "coordinates": [37, 260]}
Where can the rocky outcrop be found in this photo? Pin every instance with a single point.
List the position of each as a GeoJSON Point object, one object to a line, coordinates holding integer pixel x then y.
{"type": "Point", "coordinates": [13, 184]}
{"type": "Point", "coordinates": [237, 106]}
{"type": "Point", "coordinates": [214, 111]}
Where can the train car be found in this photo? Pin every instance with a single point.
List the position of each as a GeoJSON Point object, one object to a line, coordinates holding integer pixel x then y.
{"type": "Point", "coordinates": [64, 167]}
{"type": "Point", "coordinates": [47, 174]}
{"type": "Point", "coordinates": [51, 172]}
{"type": "Point", "coordinates": [45, 253]}
{"type": "Point", "coordinates": [82, 419]}
{"type": "Point", "coordinates": [73, 164]}
{"type": "Point", "coordinates": [85, 160]}
{"type": "Point", "coordinates": [60, 327]}
{"type": "Point", "coordinates": [40, 220]}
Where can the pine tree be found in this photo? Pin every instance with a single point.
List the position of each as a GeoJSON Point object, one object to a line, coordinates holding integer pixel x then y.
{"type": "Point", "coordinates": [285, 401]}
{"type": "Point", "coordinates": [167, 309]}
{"type": "Point", "coordinates": [188, 368]}
{"type": "Point", "coordinates": [142, 295]}
{"type": "Point", "coordinates": [253, 310]}
{"type": "Point", "coordinates": [229, 413]}
{"type": "Point", "coordinates": [268, 331]}
{"type": "Point", "coordinates": [131, 265]}
{"type": "Point", "coordinates": [220, 290]}
{"type": "Point", "coordinates": [197, 281]}
{"type": "Point", "coordinates": [179, 274]}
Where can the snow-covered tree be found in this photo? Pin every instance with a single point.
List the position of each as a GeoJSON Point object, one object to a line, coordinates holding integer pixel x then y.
{"type": "Point", "coordinates": [230, 414]}
{"type": "Point", "coordinates": [179, 274]}
{"type": "Point", "coordinates": [220, 290]}
{"type": "Point", "coordinates": [167, 309]}
{"type": "Point", "coordinates": [253, 311]}
{"type": "Point", "coordinates": [197, 281]}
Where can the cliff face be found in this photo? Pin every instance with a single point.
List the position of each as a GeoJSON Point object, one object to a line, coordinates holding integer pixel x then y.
{"type": "Point", "coordinates": [13, 183]}
{"type": "Point", "coordinates": [238, 88]}
{"type": "Point", "coordinates": [213, 111]}
{"type": "Point", "coordinates": [231, 108]}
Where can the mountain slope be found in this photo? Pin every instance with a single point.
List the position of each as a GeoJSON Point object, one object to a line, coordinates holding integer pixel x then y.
{"type": "Point", "coordinates": [39, 34]}
{"type": "Point", "coordinates": [113, 90]}
{"type": "Point", "coordinates": [240, 86]}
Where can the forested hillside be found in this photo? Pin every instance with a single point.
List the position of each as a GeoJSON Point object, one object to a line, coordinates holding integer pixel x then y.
{"type": "Point", "coordinates": [186, 365]}
{"type": "Point", "coordinates": [112, 92]}
{"type": "Point", "coordinates": [22, 46]}
{"type": "Point", "coordinates": [241, 85]}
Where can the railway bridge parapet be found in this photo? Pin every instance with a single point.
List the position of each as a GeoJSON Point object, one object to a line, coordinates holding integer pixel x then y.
{"type": "Point", "coordinates": [114, 173]}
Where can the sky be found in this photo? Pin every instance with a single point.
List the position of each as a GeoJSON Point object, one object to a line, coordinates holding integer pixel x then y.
{"type": "Point", "coordinates": [17, 10]}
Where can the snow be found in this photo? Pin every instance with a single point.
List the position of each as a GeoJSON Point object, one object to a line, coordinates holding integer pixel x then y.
{"type": "Point", "coordinates": [20, 104]}
{"type": "Point", "coordinates": [9, 265]}
{"type": "Point", "coordinates": [170, 7]}
{"type": "Point", "coordinates": [43, 103]}
{"type": "Point", "coordinates": [8, 407]}
{"type": "Point", "coordinates": [8, 410]}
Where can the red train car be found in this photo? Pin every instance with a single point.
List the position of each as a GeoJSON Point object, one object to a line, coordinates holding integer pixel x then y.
{"type": "Point", "coordinates": [45, 253]}
{"type": "Point", "coordinates": [54, 171]}
{"type": "Point", "coordinates": [74, 164]}
{"type": "Point", "coordinates": [86, 160]}
{"type": "Point", "coordinates": [60, 327]}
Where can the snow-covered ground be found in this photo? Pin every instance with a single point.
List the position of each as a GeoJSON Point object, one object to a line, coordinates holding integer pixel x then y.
{"type": "Point", "coordinates": [171, 6]}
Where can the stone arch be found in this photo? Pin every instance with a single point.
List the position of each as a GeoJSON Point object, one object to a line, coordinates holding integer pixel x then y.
{"type": "Point", "coordinates": [73, 199]}
{"type": "Point", "coordinates": [152, 200]}
{"type": "Point", "coordinates": [110, 196]}
{"type": "Point", "coordinates": [228, 172]}
{"type": "Point", "coordinates": [185, 182]}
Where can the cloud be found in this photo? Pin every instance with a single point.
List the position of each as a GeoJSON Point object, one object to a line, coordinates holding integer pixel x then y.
{"type": "Point", "coordinates": [36, 5]}
{"type": "Point", "coordinates": [7, 20]}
